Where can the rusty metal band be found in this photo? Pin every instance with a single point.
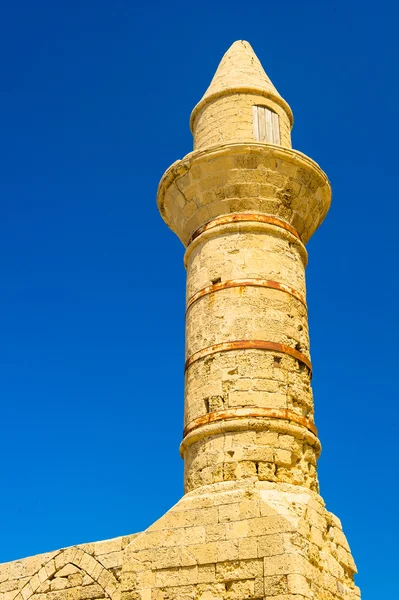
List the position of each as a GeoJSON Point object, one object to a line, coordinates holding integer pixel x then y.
{"type": "Point", "coordinates": [244, 217]}
{"type": "Point", "coordinates": [248, 345]}
{"type": "Point", "coordinates": [231, 283]}
{"type": "Point", "coordinates": [250, 413]}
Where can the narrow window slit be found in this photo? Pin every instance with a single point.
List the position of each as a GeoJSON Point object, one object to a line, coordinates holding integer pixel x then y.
{"type": "Point", "coordinates": [266, 125]}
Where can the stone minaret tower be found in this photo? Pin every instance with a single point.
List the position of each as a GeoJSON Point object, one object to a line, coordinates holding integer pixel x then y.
{"type": "Point", "coordinates": [251, 525]}
{"type": "Point", "coordinates": [244, 204]}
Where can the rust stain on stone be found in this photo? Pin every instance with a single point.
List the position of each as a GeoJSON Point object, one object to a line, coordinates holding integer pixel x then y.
{"type": "Point", "coordinates": [248, 345]}
{"type": "Point", "coordinates": [245, 413]}
{"type": "Point", "coordinates": [242, 283]}
{"type": "Point", "coordinates": [244, 217]}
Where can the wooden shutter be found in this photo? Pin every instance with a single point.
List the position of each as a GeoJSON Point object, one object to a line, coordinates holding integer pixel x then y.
{"type": "Point", "coordinates": [266, 125]}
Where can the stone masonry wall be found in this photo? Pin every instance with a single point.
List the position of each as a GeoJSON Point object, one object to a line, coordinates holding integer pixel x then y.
{"type": "Point", "coordinates": [242, 540]}
{"type": "Point", "coordinates": [237, 540]}
{"type": "Point", "coordinates": [264, 455]}
{"type": "Point", "coordinates": [84, 572]}
{"type": "Point", "coordinates": [248, 378]}
{"type": "Point", "coordinates": [245, 177]}
{"type": "Point", "coordinates": [230, 118]}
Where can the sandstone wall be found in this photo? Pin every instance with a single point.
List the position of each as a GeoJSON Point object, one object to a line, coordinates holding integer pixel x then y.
{"type": "Point", "coordinates": [84, 572]}
{"type": "Point", "coordinates": [230, 118]}
{"type": "Point", "coordinates": [242, 540]}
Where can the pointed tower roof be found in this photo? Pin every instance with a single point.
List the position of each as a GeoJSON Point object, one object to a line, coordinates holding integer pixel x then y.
{"type": "Point", "coordinates": [240, 70]}
{"type": "Point", "coordinates": [240, 67]}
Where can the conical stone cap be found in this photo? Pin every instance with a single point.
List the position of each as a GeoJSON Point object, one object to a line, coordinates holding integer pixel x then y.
{"type": "Point", "coordinates": [240, 67]}
{"type": "Point", "coordinates": [240, 70]}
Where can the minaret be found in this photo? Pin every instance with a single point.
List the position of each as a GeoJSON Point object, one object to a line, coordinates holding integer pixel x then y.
{"type": "Point", "coordinates": [251, 524]}
{"type": "Point", "coordinates": [244, 204]}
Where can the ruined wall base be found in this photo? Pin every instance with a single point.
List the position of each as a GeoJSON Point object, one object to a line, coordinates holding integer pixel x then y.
{"type": "Point", "coordinates": [85, 572]}
{"type": "Point", "coordinates": [242, 540]}
{"type": "Point", "coordinates": [238, 540]}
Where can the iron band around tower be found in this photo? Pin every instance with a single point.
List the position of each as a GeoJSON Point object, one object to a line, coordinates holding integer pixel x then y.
{"type": "Point", "coordinates": [250, 413]}
{"type": "Point", "coordinates": [244, 217]}
{"type": "Point", "coordinates": [248, 345]}
{"type": "Point", "coordinates": [241, 283]}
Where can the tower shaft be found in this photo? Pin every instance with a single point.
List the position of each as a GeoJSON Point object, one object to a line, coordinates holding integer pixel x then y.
{"type": "Point", "coordinates": [244, 210]}
{"type": "Point", "coordinates": [248, 402]}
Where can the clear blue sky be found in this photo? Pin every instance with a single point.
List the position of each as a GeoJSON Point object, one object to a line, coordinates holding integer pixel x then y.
{"type": "Point", "coordinates": [95, 98]}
